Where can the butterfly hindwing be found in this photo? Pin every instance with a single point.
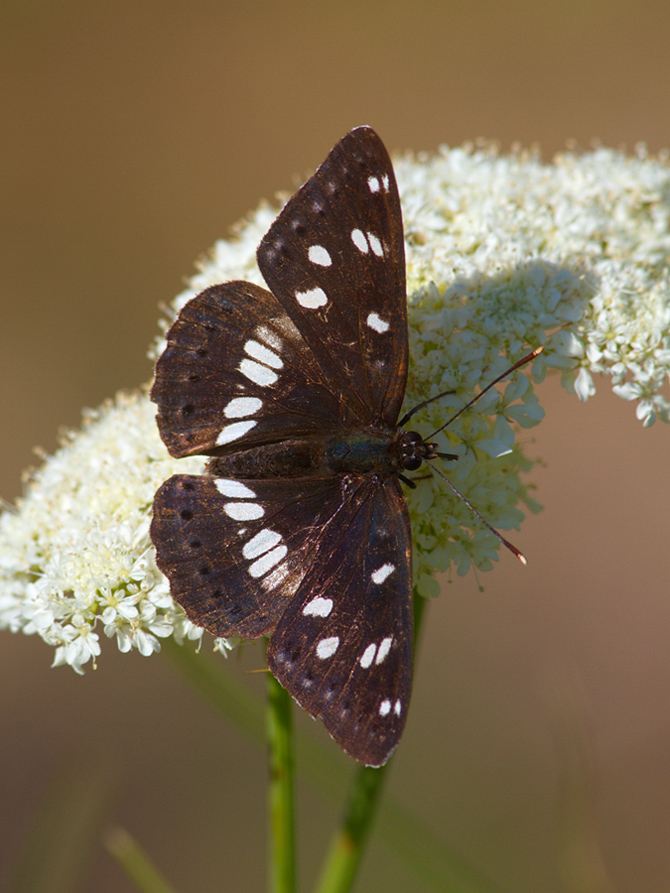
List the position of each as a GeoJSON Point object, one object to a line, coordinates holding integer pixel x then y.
{"type": "Point", "coordinates": [236, 372]}
{"type": "Point", "coordinates": [236, 551]}
{"type": "Point", "coordinates": [343, 647]}
{"type": "Point", "coordinates": [335, 260]}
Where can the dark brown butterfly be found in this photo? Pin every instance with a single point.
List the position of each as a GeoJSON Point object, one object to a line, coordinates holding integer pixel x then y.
{"type": "Point", "coordinates": [299, 529]}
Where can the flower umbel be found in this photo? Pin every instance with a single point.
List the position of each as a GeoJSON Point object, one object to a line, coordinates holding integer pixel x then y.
{"type": "Point", "coordinates": [503, 254]}
{"type": "Point", "coordinates": [76, 558]}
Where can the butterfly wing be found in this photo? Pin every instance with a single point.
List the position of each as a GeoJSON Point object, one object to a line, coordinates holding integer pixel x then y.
{"type": "Point", "coordinates": [236, 373]}
{"type": "Point", "coordinates": [343, 646]}
{"type": "Point", "coordinates": [335, 260]}
{"type": "Point", "coordinates": [236, 552]}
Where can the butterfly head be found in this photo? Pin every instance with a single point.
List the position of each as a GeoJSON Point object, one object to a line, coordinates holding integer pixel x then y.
{"type": "Point", "coordinates": [414, 450]}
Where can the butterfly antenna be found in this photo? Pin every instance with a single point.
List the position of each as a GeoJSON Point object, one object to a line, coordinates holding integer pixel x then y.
{"type": "Point", "coordinates": [506, 543]}
{"type": "Point", "coordinates": [408, 415]}
{"type": "Point", "coordinates": [522, 362]}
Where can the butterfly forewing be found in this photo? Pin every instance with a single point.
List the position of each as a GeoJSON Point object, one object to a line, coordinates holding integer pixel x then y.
{"type": "Point", "coordinates": [343, 647]}
{"type": "Point", "coordinates": [335, 260]}
{"type": "Point", "coordinates": [235, 365]}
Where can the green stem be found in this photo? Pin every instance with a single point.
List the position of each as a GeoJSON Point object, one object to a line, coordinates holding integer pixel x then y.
{"type": "Point", "coordinates": [348, 845]}
{"type": "Point", "coordinates": [411, 841]}
{"type": "Point", "coordinates": [282, 863]}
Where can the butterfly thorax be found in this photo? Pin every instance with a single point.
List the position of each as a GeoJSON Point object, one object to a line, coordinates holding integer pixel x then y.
{"type": "Point", "coordinates": [383, 452]}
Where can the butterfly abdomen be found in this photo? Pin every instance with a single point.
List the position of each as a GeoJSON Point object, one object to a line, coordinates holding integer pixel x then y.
{"type": "Point", "coordinates": [305, 457]}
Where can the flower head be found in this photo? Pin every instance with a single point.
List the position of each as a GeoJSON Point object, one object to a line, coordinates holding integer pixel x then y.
{"type": "Point", "coordinates": [503, 254]}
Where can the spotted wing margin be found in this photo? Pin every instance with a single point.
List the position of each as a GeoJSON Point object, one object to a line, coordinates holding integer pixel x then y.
{"type": "Point", "coordinates": [343, 647]}
{"type": "Point", "coordinates": [335, 260]}
{"type": "Point", "coordinates": [236, 552]}
{"type": "Point", "coordinates": [236, 373]}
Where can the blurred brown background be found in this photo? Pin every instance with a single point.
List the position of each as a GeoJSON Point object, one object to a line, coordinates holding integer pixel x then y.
{"type": "Point", "coordinates": [134, 134]}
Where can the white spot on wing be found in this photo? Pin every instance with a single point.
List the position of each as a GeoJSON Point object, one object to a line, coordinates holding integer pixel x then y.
{"type": "Point", "coordinates": [274, 578]}
{"type": "Point", "coordinates": [327, 647]}
{"type": "Point", "coordinates": [382, 573]}
{"type": "Point", "coordinates": [385, 708]}
{"type": "Point", "coordinates": [234, 489]}
{"type": "Point", "coordinates": [384, 649]}
{"type": "Point", "coordinates": [259, 374]}
{"type": "Point", "coordinates": [373, 184]}
{"type": "Point", "coordinates": [398, 708]}
{"type": "Point", "coordinates": [377, 323]}
{"type": "Point", "coordinates": [359, 240]}
{"type": "Point", "coordinates": [238, 407]}
{"type": "Point", "coordinates": [266, 562]}
{"type": "Point", "coordinates": [318, 607]}
{"type": "Point", "coordinates": [231, 432]}
{"type": "Point", "coordinates": [260, 543]}
{"type": "Point", "coordinates": [376, 245]}
{"type": "Point", "coordinates": [385, 182]}
{"type": "Point", "coordinates": [270, 337]}
{"type": "Point", "coordinates": [318, 255]}
{"type": "Point", "coordinates": [263, 354]}
{"type": "Point", "coordinates": [312, 299]}
{"type": "Point", "coordinates": [243, 511]}
{"type": "Point", "coordinates": [368, 656]}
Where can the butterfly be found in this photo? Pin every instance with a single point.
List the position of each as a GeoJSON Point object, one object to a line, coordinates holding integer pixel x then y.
{"type": "Point", "coordinates": [299, 528]}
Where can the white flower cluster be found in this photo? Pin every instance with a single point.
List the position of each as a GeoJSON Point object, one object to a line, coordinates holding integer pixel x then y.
{"type": "Point", "coordinates": [75, 556]}
{"type": "Point", "coordinates": [518, 234]}
{"type": "Point", "coordinates": [503, 254]}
